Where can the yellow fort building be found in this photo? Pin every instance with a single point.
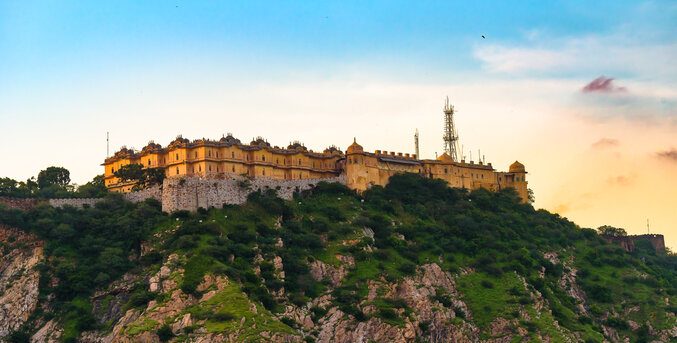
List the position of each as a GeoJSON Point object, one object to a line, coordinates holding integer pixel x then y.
{"type": "Point", "coordinates": [359, 169]}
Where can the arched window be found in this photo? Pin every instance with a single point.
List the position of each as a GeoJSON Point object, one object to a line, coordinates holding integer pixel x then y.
{"type": "Point", "coordinates": [177, 170]}
{"type": "Point", "coordinates": [263, 157]}
{"type": "Point", "coordinates": [199, 169]}
{"type": "Point", "coordinates": [232, 154]}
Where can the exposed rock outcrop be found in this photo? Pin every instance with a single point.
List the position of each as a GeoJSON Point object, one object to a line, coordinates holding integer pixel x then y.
{"type": "Point", "coordinates": [20, 253]}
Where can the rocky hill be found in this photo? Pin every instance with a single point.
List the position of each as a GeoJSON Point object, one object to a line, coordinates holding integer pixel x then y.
{"type": "Point", "coordinates": [415, 261]}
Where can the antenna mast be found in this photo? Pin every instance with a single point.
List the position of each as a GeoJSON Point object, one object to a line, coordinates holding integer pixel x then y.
{"type": "Point", "coordinates": [450, 135]}
{"type": "Point", "coordinates": [107, 145]}
{"type": "Point", "coordinates": [416, 144]}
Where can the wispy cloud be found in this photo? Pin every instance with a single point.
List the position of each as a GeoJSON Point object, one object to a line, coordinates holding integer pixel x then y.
{"type": "Point", "coordinates": [605, 143]}
{"type": "Point", "coordinates": [602, 84]}
{"type": "Point", "coordinates": [619, 53]}
{"type": "Point", "coordinates": [670, 155]}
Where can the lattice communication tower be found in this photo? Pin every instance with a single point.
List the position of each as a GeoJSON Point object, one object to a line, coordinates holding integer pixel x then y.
{"type": "Point", "coordinates": [450, 134]}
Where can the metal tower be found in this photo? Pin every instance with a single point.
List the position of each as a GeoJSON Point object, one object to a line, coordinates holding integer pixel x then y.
{"type": "Point", "coordinates": [416, 144]}
{"type": "Point", "coordinates": [450, 134]}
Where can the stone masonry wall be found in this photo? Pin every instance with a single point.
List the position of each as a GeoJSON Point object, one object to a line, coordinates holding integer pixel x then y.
{"type": "Point", "coordinates": [152, 192]}
{"type": "Point", "coordinates": [19, 203]}
{"type": "Point", "coordinates": [191, 193]}
{"type": "Point", "coordinates": [75, 202]}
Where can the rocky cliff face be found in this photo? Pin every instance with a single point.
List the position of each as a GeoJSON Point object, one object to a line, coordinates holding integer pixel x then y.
{"type": "Point", "coordinates": [19, 254]}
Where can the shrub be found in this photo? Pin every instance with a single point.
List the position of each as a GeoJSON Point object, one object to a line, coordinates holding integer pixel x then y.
{"type": "Point", "coordinates": [165, 333]}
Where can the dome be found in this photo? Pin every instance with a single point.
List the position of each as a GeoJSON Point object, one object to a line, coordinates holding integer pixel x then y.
{"type": "Point", "coordinates": [517, 167]}
{"type": "Point", "coordinates": [229, 139]}
{"type": "Point", "coordinates": [445, 158]}
{"type": "Point", "coordinates": [354, 148]}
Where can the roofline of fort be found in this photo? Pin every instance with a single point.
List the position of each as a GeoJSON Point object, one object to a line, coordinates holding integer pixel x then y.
{"type": "Point", "coordinates": [256, 145]}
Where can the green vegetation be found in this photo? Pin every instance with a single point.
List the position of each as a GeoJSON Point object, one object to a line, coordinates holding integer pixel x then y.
{"type": "Point", "coordinates": [52, 182]}
{"type": "Point", "coordinates": [144, 177]}
{"type": "Point", "coordinates": [498, 243]}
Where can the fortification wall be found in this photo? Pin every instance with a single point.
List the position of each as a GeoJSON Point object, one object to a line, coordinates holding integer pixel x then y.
{"type": "Point", "coordinates": [191, 193]}
{"type": "Point", "coordinates": [23, 204]}
{"type": "Point", "coordinates": [628, 242]}
{"type": "Point", "coordinates": [154, 192]}
{"type": "Point", "coordinates": [75, 202]}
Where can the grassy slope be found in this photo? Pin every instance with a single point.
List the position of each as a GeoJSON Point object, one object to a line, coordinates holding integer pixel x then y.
{"type": "Point", "coordinates": [414, 221]}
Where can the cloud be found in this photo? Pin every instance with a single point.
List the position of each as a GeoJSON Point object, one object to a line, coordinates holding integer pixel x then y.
{"type": "Point", "coordinates": [670, 155]}
{"type": "Point", "coordinates": [617, 53]}
{"type": "Point", "coordinates": [602, 84]}
{"type": "Point", "coordinates": [605, 143]}
{"type": "Point", "coordinates": [621, 180]}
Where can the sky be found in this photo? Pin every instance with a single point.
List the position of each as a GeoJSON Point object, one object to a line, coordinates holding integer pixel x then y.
{"type": "Point", "coordinates": [584, 95]}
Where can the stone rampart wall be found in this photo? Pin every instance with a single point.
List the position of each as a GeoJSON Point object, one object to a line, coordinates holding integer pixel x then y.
{"type": "Point", "coordinates": [23, 204]}
{"type": "Point", "coordinates": [191, 193]}
{"type": "Point", "coordinates": [75, 202]}
{"type": "Point", "coordinates": [154, 192]}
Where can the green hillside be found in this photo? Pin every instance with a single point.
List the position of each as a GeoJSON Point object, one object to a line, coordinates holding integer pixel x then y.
{"type": "Point", "coordinates": [518, 273]}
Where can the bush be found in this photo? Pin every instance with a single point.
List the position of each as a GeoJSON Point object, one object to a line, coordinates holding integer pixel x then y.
{"type": "Point", "coordinates": [165, 333]}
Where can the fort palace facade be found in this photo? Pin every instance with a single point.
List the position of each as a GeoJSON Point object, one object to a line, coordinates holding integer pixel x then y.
{"type": "Point", "coordinates": [229, 156]}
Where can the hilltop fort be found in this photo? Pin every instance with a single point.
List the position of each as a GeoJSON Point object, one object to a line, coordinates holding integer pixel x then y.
{"type": "Point", "coordinates": [277, 167]}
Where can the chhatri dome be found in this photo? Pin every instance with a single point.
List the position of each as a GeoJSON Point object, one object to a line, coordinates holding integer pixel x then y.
{"type": "Point", "coordinates": [354, 148]}
{"type": "Point", "coordinates": [517, 167]}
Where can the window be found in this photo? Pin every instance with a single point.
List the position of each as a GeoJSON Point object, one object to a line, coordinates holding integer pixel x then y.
{"type": "Point", "coordinates": [177, 170]}
{"type": "Point", "coordinates": [195, 154]}
{"type": "Point", "coordinates": [210, 168]}
{"type": "Point", "coordinates": [232, 154]}
{"type": "Point", "coordinates": [233, 169]}
{"type": "Point", "coordinates": [209, 153]}
{"type": "Point", "coordinates": [199, 168]}
{"type": "Point", "coordinates": [263, 172]}
{"type": "Point", "coordinates": [263, 158]}
{"type": "Point", "coordinates": [299, 161]}
{"type": "Point", "coordinates": [445, 170]}
{"type": "Point", "coordinates": [177, 157]}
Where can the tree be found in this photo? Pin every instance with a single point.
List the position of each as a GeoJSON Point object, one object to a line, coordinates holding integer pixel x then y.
{"type": "Point", "coordinates": [94, 188]}
{"type": "Point", "coordinates": [530, 195]}
{"type": "Point", "coordinates": [54, 176]}
{"type": "Point", "coordinates": [608, 230]}
{"type": "Point", "coordinates": [8, 186]}
{"type": "Point", "coordinates": [143, 177]}
{"type": "Point", "coordinates": [130, 172]}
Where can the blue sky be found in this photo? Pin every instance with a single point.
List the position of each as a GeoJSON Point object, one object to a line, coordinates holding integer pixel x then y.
{"type": "Point", "coordinates": [324, 72]}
